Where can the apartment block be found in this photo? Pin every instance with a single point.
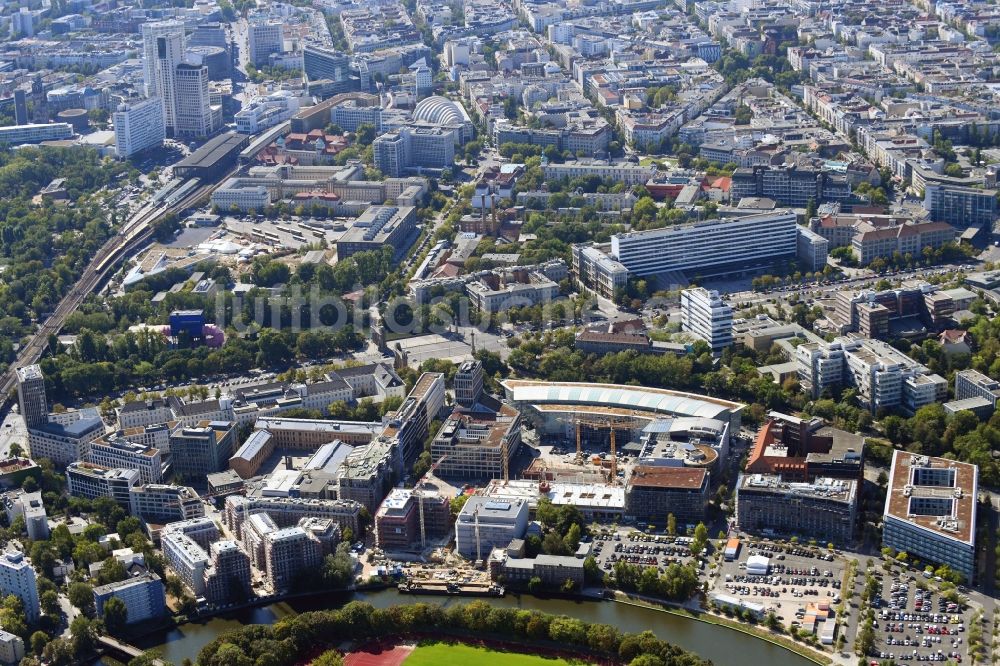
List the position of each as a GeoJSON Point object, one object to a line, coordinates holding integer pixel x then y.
{"type": "Point", "coordinates": [883, 376]}
{"type": "Point", "coordinates": [707, 317]}
{"type": "Point", "coordinates": [287, 511]}
{"type": "Point", "coordinates": [186, 558]}
{"type": "Point", "coordinates": [287, 553]}
{"type": "Point", "coordinates": [788, 185]}
{"type": "Point", "coordinates": [11, 648]}
{"type": "Point", "coordinates": [144, 597]}
{"type": "Point", "coordinates": [595, 270]}
{"type": "Point", "coordinates": [17, 577]}
{"type": "Point", "coordinates": [28, 506]}
{"type": "Point", "coordinates": [227, 578]}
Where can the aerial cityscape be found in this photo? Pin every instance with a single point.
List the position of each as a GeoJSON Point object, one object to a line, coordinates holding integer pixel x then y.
{"type": "Point", "coordinates": [514, 332]}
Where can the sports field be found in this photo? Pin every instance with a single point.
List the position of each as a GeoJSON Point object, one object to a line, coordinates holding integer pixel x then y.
{"type": "Point", "coordinates": [459, 654]}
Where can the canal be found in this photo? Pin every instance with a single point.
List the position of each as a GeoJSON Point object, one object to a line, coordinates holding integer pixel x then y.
{"type": "Point", "coordinates": [724, 646]}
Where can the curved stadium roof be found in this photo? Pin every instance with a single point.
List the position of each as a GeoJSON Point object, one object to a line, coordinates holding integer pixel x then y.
{"type": "Point", "coordinates": [660, 401]}
{"type": "Point", "coordinates": [440, 111]}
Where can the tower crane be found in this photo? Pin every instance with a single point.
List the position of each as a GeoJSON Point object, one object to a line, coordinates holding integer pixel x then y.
{"type": "Point", "coordinates": [609, 422]}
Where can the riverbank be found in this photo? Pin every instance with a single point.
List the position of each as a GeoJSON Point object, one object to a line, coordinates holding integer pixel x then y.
{"type": "Point", "coordinates": [680, 610]}
{"type": "Point", "coordinates": [700, 637]}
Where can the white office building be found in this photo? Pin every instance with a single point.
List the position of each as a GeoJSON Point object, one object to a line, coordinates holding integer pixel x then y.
{"type": "Point", "coordinates": [485, 524]}
{"type": "Point", "coordinates": [706, 316]}
{"type": "Point", "coordinates": [17, 134]}
{"type": "Point", "coordinates": [17, 577]}
{"type": "Point", "coordinates": [264, 37]}
{"type": "Point", "coordinates": [161, 503]}
{"type": "Point", "coordinates": [266, 112]}
{"type": "Point", "coordinates": [138, 126]}
{"type": "Point", "coordinates": [708, 248]}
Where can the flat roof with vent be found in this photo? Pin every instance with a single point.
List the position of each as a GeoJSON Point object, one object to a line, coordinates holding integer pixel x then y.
{"type": "Point", "coordinates": [935, 494]}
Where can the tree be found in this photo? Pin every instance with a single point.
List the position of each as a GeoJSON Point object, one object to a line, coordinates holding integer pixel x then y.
{"type": "Point", "coordinates": [115, 615]}
{"type": "Point", "coordinates": [81, 595]}
{"type": "Point", "coordinates": [671, 524]}
{"type": "Point", "coordinates": [592, 570]}
{"type": "Point", "coordinates": [39, 640]}
{"type": "Point", "coordinates": [84, 634]}
{"type": "Point", "coordinates": [457, 503]}
{"type": "Point", "coordinates": [49, 601]}
{"type": "Point", "coordinates": [58, 652]}
{"type": "Point", "coordinates": [112, 571]}
{"type": "Point", "coordinates": [700, 539]}
{"type": "Point", "coordinates": [329, 658]}
{"type": "Point", "coordinates": [365, 134]}
{"type": "Point", "coordinates": [338, 569]}
{"type": "Point", "coordinates": [572, 538]}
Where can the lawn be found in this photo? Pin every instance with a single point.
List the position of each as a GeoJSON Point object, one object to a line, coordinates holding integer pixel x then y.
{"type": "Point", "coordinates": [458, 654]}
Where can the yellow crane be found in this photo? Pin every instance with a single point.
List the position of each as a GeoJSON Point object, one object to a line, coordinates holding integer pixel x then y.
{"type": "Point", "coordinates": [609, 422]}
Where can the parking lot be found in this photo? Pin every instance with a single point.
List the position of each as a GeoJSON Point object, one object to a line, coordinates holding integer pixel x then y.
{"type": "Point", "coordinates": [915, 623]}
{"type": "Point", "coordinates": [638, 548]}
{"type": "Point", "coordinates": [796, 575]}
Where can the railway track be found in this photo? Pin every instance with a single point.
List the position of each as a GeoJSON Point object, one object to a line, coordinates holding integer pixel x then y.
{"type": "Point", "coordinates": [134, 235]}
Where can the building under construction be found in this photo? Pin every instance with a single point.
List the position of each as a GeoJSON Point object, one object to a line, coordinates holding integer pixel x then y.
{"type": "Point", "coordinates": [485, 524]}
{"type": "Point", "coordinates": [401, 523]}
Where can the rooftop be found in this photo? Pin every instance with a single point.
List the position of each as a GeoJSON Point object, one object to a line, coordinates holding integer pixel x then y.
{"type": "Point", "coordinates": [677, 478]}
{"type": "Point", "coordinates": [934, 494]}
{"type": "Point", "coordinates": [645, 399]}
